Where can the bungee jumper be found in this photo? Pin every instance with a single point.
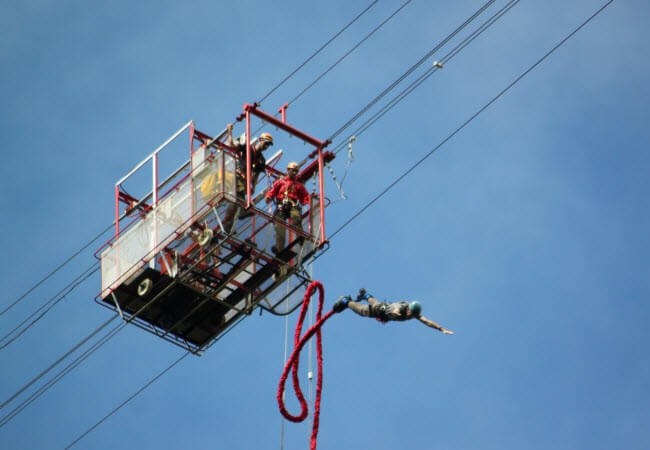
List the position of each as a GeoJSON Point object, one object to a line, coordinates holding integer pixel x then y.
{"type": "Point", "coordinates": [386, 311]}
{"type": "Point", "coordinates": [382, 311]}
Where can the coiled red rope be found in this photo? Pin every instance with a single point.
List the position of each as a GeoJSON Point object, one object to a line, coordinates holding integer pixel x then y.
{"type": "Point", "coordinates": [294, 359]}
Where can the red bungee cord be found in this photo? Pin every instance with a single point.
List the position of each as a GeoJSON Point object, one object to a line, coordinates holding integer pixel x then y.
{"type": "Point", "coordinates": [293, 361]}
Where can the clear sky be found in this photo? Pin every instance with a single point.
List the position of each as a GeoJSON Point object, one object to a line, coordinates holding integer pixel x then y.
{"type": "Point", "coordinates": [526, 234]}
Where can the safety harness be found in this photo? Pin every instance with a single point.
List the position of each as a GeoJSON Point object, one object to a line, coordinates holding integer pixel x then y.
{"type": "Point", "coordinates": [287, 202]}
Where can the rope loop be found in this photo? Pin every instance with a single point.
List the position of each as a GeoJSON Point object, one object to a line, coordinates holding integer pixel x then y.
{"type": "Point", "coordinates": [294, 359]}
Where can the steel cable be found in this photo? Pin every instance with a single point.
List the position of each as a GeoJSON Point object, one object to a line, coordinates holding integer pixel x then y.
{"type": "Point", "coordinates": [59, 267]}
{"type": "Point", "coordinates": [424, 76]}
{"type": "Point", "coordinates": [318, 51]}
{"type": "Point", "coordinates": [145, 386]}
{"type": "Point", "coordinates": [457, 130]}
{"type": "Point", "coordinates": [412, 68]}
{"type": "Point", "coordinates": [338, 61]}
{"type": "Point", "coordinates": [53, 301]}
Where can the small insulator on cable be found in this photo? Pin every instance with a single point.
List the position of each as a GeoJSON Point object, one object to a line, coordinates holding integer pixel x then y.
{"type": "Point", "coordinates": [437, 64]}
{"type": "Point", "coordinates": [310, 375]}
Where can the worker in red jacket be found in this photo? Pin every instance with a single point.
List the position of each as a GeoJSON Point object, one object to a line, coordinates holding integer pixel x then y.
{"type": "Point", "coordinates": [289, 194]}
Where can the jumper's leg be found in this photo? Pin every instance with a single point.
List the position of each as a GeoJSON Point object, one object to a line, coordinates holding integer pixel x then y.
{"type": "Point", "coordinates": [359, 308]}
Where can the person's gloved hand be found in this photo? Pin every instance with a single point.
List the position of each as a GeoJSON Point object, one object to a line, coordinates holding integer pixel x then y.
{"type": "Point", "coordinates": [363, 295]}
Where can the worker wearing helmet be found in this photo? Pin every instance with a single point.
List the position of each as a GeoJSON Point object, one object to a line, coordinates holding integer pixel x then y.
{"type": "Point", "coordinates": [289, 194]}
{"type": "Point", "coordinates": [386, 312]}
{"type": "Point", "coordinates": [258, 164]}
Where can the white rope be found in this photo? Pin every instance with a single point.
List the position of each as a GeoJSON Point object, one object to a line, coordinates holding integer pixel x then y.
{"type": "Point", "coordinates": [339, 186]}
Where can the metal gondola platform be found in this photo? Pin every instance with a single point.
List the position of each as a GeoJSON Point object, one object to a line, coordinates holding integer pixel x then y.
{"type": "Point", "coordinates": [173, 270]}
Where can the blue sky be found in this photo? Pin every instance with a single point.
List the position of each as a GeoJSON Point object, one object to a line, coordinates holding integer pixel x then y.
{"type": "Point", "coordinates": [526, 234]}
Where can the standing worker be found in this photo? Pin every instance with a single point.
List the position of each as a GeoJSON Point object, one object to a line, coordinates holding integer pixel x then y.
{"type": "Point", "coordinates": [386, 312]}
{"type": "Point", "coordinates": [289, 194]}
{"type": "Point", "coordinates": [258, 164]}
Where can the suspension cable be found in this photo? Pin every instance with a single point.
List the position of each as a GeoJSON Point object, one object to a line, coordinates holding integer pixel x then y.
{"type": "Point", "coordinates": [51, 302]}
{"type": "Point", "coordinates": [418, 81]}
{"type": "Point", "coordinates": [117, 408]}
{"type": "Point", "coordinates": [145, 386]}
{"type": "Point", "coordinates": [318, 51]}
{"type": "Point", "coordinates": [59, 267]}
{"type": "Point", "coordinates": [457, 130]}
{"type": "Point", "coordinates": [412, 68]}
{"type": "Point", "coordinates": [336, 63]}
{"type": "Point", "coordinates": [88, 352]}
{"type": "Point", "coordinates": [331, 67]}
{"type": "Point", "coordinates": [44, 372]}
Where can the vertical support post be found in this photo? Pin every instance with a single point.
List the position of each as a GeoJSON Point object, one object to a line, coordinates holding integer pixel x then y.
{"type": "Point", "coordinates": [152, 262]}
{"type": "Point", "coordinates": [253, 234]}
{"type": "Point", "coordinates": [248, 159]}
{"type": "Point", "coordinates": [155, 180]}
{"type": "Point", "coordinates": [321, 193]}
{"type": "Point", "coordinates": [223, 173]}
{"type": "Point", "coordinates": [117, 228]}
{"type": "Point", "coordinates": [117, 211]}
{"type": "Point", "coordinates": [192, 168]}
{"type": "Point", "coordinates": [283, 111]}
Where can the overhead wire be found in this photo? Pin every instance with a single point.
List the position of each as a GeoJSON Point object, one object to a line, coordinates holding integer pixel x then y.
{"type": "Point", "coordinates": [144, 387]}
{"type": "Point", "coordinates": [424, 76]}
{"type": "Point", "coordinates": [56, 269]}
{"type": "Point", "coordinates": [336, 149]}
{"type": "Point", "coordinates": [83, 356]}
{"type": "Point", "coordinates": [65, 371]}
{"type": "Point", "coordinates": [54, 364]}
{"type": "Point", "coordinates": [338, 61]}
{"type": "Point", "coordinates": [412, 68]}
{"type": "Point", "coordinates": [357, 45]}
{"type": "Point", "coordinates": [53, 301]}
{"type": "Point", "coordinates": [469, 120]}
{"type": "Point", "coordinates": [313, 55]}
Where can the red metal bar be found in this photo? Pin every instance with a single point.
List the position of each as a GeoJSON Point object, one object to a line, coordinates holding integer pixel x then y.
{"type": "Point", "coordinates": [223, 173]}
{"type": "Point", "coordinates": [309, 171]}
{"type": "Point", "coordinates": [117, 211]}
{"type": "Point", "coordinates": [191, 168]}
{"type": "Point", "coordinates": [155, 206]}
{"type": "Point", "coordinates": [248, 160]}
{"type": "Point", "coordinates": [252, 109]}
{"type": "Point", "coordinates": [283, 111]}
{"type": "Point", "coordinates": [322, 198]}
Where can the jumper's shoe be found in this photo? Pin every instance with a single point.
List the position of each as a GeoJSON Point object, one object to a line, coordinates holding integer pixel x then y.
{"type": "Point", "coordinates": [340, 305]}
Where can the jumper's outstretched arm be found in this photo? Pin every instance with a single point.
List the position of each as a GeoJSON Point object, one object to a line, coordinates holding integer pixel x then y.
{"type": "Point", "coordinates": [432, 324]}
